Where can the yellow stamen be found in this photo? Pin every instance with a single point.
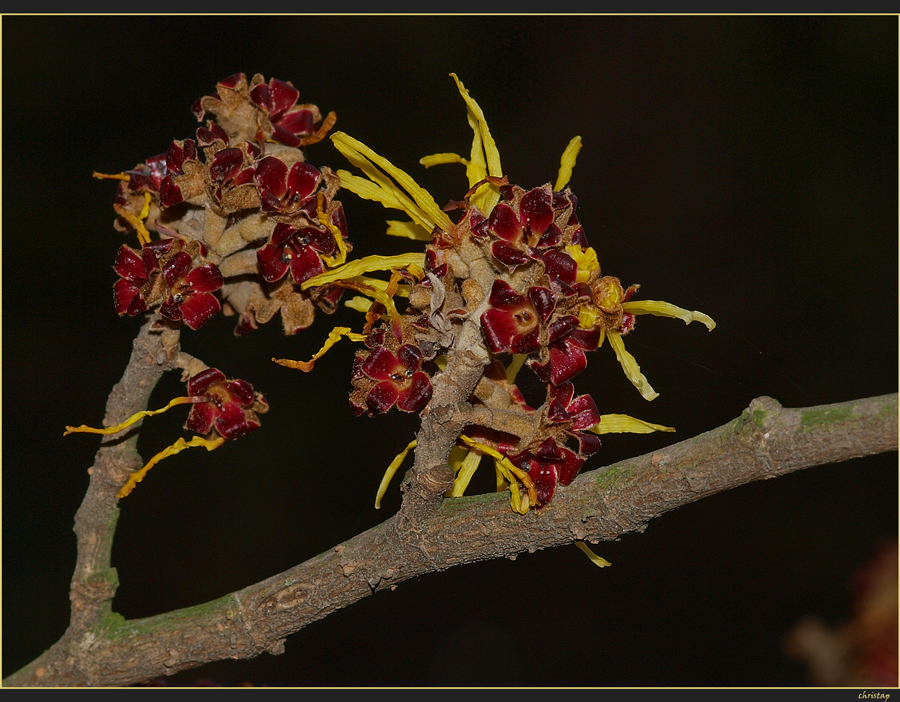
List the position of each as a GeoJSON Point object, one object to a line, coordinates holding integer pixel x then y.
{"type": "Point", "coordinates": [407, 230]}
{"type": "Point", "coordinates": [111, 176]}
{"type": "Point", "coordinates": [389, 473]}
{"type": "Point", "coordinates": [367, 264]}
{"type": "Point", "coordinates": [177, 447]}
{"type": "Point", "coordinates": [665, 309]}
{"type": "Point", "coordinates": [338, 237]}
{"type": "Point", "coordinates": [595, 559]}
{"type": "Point", "coordinates": [622, 423]}
{"type": "Point", "coordinates": [631, 367]}
{"type": "Point", "coordinates": [128, 422]}
{"type": "Point", "coordinates": [415, 201]}
{"type": "Point", "coordinates": [567, 162]}
{"type": "Point", "coordinates": [510, 472]}
{"type": "Point", "coordinates": [485, 158]}
{"type": "Point", "coordinates": [466, 470]}
{"type": "Point", "coordinates": [333, 337]}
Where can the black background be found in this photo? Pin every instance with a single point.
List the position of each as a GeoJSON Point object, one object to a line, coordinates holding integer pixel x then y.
{"type": "Point", "coordinates": [745, 166]}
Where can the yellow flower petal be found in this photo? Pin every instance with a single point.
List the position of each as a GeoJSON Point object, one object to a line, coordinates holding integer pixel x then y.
{"type": "Point", "coordinates": [567, 162]}
{"type": "Point", "coordinates": [438, 159]}
{"type": "Point", "coordinates": [485, 158]}
{"type": "Point", "coordinates": [333, 337]}
{"type": "Point", "coordinates": [622, 423]}
{"type": "Point", "coordinates": [595, 559]}
{"type": "Point", "coordinates": [355, 268]}
{"type": "Point", "coordinates": [177, 447]}
{"type": "Point", "coordinates": [422, 208]}
{"type": "Point", "coordinates": [631, 367]}
{"type": "Point", "coordinates": [665, 309]}
{"type": "Point", "coordinates": [408, 230]}
{"type": "Point", "coordinates": [510, 472]}
{"type": "Point", "coordinates": [391, 470]}
{"type": "Point", "coordinates": [128, 422]}
{"type": "Point", "coordinates": [466, 470]}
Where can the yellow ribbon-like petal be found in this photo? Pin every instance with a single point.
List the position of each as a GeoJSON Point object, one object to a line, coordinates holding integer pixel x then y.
{"type": "Point", "coordinates": [515, 365]}
{"type": "Point", "coordinates": [665, 309]}
{"type": "Point", "coordinates": [595, 559]}
{"type": "Point", "coordinates": [622, 423]}
{"type": "Point", "coordinates": [177, 447]}
{"type": "Point", "coordinates": [438, 159]}
{"type": "Point", "coordinates": [415, 201]}
{"type": "Point", "coordinates": [466, 470]}
{"type": "Point", "coordinates": [391, 470]}
{"type": "Point", "coordinates": [567, 163]}
{"type": "Point", "coordinates": [408, 230]}
{"type": "Point", "coordinates": [333, 337]}
{"type": "Point", "coordinates": [511, 473]}
{"type": "Point", "coordinates": [631, 367]}
{"type": "Point", "coordinates": [485, 158]}
{"type": "Point", "coordinates": [358, 267]}
{"type": "Point", "coordinates": [128, 422]}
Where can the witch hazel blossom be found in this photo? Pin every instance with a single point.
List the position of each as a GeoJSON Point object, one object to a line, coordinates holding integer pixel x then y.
{"type": "Point", "coordinates": [546, 308]}
{"type": "Point", "coordinates": [246, 225]}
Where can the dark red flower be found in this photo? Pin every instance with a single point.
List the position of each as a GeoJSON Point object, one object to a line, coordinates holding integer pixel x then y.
{"type": "Point", "coordinates": [171, 274]}
{"type": "Point", "coordinates": [523, 227]}
{"type": "Point", "coordinates": [296, 250]}
{"type": "Point", "coordinates": [578, 413]}
{"type": "Point", "coordinates": [548, 465]}
{"type": "Point", "coordinates": [283, 190]}
{"type": "Point", "coordinates": [565, 357]}
{"type": "Point", "coordinates": [130, 292]}
{"type": "Point", "coordinates": [513, 321]}
{"type": "Point", "coordinates": [384, 378]}
{"type": "Point", "coordinates": [190, 287]}
{"type": "Point", "coordinates": [289, 121]}
{"type": "Point", "coordinates": [229, 407]}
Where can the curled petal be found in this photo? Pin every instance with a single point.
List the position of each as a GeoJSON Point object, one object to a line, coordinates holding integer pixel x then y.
{"type": "Point", "coordinates": [536, 210]}
{"type": "Point", "coordinates": [199, 384]}
{"type": "Point", "coordinates": [416, 396]}
{"type": "Point", "coordinates": [305, 263]}
{"type": "Point", "coordinates": [201, 417]}
{"type": "Point", "coordinates": [176, 267]}
{"type": "Point", "coordinates": [198, 309]}
{"type": "Point", "coordinates": [380, 364]}
{"type": "Point", "coordinates": [271, 265]}
{"type": "Point", "coordinates": [382, 397]}
{"type": "Point", "coordinates": [127, 298]}
{"type": "Point", "coordinates": [204, 279]}
{"type": "Point", "coordinates": [303, 179]}
{"type": "Point", "coordinates": [130, 265]}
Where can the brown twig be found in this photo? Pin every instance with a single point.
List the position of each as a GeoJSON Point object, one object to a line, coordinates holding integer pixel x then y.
{"type": "Point", "coordinates": [764, 442]}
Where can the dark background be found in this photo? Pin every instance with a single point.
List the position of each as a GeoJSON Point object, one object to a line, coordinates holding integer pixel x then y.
{"type": "Point", "coordinates": [742, 166]}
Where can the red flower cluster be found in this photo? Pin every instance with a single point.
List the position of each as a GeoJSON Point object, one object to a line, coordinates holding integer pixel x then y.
{"type": "Point", "coordinates": [228, 407]}
{"type": "Point", "coordinates": [170, 275]}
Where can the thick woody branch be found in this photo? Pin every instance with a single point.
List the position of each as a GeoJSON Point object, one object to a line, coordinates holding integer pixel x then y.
{"type": "Point", "coordinates": [764, 442]}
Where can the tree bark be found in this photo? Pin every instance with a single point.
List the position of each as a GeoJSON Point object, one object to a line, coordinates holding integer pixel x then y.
{"type": "Point", "coordinates": [766, 441]}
